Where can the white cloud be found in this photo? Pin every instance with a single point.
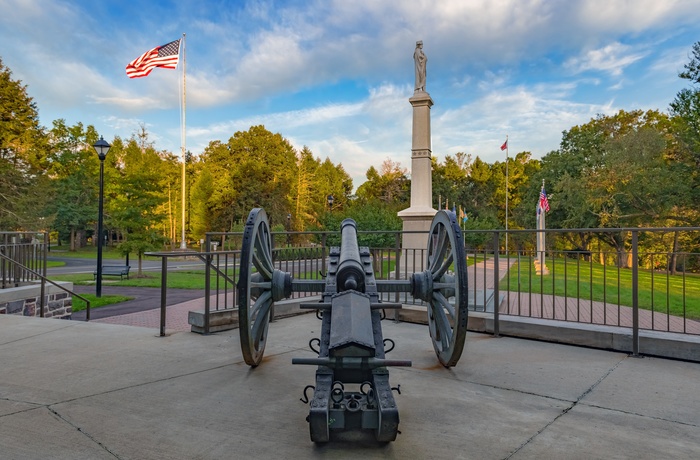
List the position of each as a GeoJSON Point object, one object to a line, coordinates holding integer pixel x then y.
{"type": "Point", "coordinates": [633, 15]}
{"type": "Point", "coordinates": [612, 58]}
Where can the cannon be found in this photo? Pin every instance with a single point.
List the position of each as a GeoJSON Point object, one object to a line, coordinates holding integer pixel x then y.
{"type": "Point", "coordinates": [352, 390]}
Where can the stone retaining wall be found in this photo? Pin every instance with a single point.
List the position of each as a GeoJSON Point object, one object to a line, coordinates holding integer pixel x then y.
{"type": "Point", "coordinates": [24, 300]}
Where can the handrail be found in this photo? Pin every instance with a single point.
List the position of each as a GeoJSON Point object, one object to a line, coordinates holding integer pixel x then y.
{"type": "Point", "coordinates": [43, 281]}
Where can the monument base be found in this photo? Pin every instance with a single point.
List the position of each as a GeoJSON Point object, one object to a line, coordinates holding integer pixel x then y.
{"type": "Point", "coordinates": [416, 226]}
{"type": "Point", "coordinates": [541, 269]}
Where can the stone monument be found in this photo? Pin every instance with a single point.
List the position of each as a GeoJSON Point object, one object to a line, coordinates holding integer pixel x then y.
{"type": "Point", "coordinates": [420, 214]}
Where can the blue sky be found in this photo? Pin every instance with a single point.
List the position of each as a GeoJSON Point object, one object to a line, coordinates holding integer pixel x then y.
{"type": "Point", "coordinates": [336, 75]}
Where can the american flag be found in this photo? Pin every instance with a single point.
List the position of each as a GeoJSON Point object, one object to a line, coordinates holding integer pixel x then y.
{"type": "Point", "coordinates": [505, 145]}
{"type": "Point", "coordinates": [544, 202]}
{"type": "Point", "coordinates": [166, 56]}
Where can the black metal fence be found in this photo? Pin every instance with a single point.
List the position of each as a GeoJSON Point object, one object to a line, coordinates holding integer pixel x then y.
{"type": "Point", "coordinates": [23, 258]}
{"type": "Point", "coordinates": [22, 251]}
{"type": "Point", "coordinates": [638, 278]}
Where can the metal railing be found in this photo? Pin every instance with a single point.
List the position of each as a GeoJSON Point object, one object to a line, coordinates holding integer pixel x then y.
{"type": "Point", "coordinates": [642, 288]}
{"type": "Point", "coordinates": [22, 249]}
{"type": "Point", "coordinates": [26, 273]}
{"type": "Point", "coordinates": [648, 286]}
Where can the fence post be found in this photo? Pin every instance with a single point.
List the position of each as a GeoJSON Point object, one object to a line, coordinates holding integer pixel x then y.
{"type": "Point", "coordinates": [635, 295]}
{"type": "Point", "coordinates": [323, 253]}
{"type": "Point", "coordinates": [207, 284]}
{"type": "Point", "coordinates": [163, 292]}
{"type": "Point", "coordinates": [397, 275]}
{"type": "Point", "coordinates": [496, 292]}
{"type": "Point", "coordinates": [43, 302]}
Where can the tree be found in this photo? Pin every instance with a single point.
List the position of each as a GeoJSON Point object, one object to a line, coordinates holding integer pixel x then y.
{"type": "Point", "coordinates": [136, 199]}
{"type": "Point", "coordinates": [692, 68]}
{"type": "Point", "coordinates": [331, 179]}
{"type": "Point", "coordinates": [263, 173]}
{"type": "Point", "coordinates": [257, 168]}
{"type": "Point", "coordinates": [685, 112]}
{"type": "Point", "coordinates": [303, 192]}
{"type": "Point", "coordinates": [450, 180]}
{"type": "Point", "coordinates": [22, 152]}
{"type": "Point", "coordinates": [201, 213]}
{"type": "Point", "coordinates": [73, 165]}
{"type": "Point", "coordinates": [390, 185]}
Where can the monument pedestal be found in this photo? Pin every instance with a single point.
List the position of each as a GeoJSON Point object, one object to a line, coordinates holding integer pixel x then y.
{"type": "Point", "coordinates": [419, 216]}
{"type": "Point", "coordinates": [414, 245]}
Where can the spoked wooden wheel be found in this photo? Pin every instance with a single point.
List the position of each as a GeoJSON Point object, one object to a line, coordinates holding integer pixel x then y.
{"type": "Point", "coordinates": [444, 286]}
{"type": "Point", "coordinates": [257, 291]}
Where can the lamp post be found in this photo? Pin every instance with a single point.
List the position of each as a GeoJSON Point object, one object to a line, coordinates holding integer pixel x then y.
{"type": "Point", "coordinates": [330, 202]}
{"type": "Point", "coordinates": [101, 147]}
{"type": "Point", "coordinates": [289, 227]}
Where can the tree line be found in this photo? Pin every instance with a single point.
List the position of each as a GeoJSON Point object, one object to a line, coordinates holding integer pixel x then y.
{"type": "Point", "coordinates": [631, 169]}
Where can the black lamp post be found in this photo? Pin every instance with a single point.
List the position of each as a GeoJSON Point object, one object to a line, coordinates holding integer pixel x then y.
{"type": "Point", "coordinates": [101, 147]}
{"type": "Point", "coordinates": [330, 202]}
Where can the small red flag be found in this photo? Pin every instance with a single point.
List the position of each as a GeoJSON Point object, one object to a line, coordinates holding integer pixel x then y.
{"type": "Point", "coordinates": [505, 145]}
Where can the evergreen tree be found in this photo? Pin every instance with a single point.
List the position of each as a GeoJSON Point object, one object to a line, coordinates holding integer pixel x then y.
{"type": "Point", "coordinates": [22, 156]}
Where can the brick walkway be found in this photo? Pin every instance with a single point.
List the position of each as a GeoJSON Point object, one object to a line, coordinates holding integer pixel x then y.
{"type": "Point", "coordinates": [175, 317]}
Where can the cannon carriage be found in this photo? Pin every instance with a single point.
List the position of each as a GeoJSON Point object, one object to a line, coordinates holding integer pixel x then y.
{"type": "Point", "coordinates": [352, 390]}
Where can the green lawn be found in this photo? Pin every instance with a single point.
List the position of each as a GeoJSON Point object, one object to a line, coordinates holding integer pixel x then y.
{"type": "Point", "coordinates": [594, 281]}
{"type": "Point", "coordinates": [186, 279]}
{"type": "Point", "coordinates": [79, 305]}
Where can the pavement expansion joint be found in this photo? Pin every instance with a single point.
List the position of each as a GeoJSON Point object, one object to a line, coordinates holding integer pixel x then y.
{"type": "Point", "coordinates": [565, 410]}
{"type": "Point", "coordinates": [646, 416]}
{"type": "Point", "coordinates": [150, 382]}
{"type": "Point", "coordinates": [28, 409]}
{"type": "Point", "coordinates": [598, 382]}
{"type": "Point", "coordinates": [81, 431]}
{"type": "Point", "coordinates": [29, 337]}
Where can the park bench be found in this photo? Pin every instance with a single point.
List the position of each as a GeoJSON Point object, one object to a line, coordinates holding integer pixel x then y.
{"type": "Point", "coordinates": [114, 270]}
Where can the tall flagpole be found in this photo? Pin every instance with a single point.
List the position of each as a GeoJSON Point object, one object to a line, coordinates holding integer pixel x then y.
{"type": "Point", "coordinates": [507, 194]}
{"type": "Point", "coordinates": [183, 139]}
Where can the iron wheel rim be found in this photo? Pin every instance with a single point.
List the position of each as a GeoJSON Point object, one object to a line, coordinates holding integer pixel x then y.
{"type": "Point", "coordinates": [255, 288]}
{"type": "Point", "coordinates": [447, 321]}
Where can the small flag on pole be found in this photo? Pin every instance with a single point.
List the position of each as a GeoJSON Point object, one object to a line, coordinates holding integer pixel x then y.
{"type": "Point", "coordinates": [544, 202]}
{"type": "Point", "coordinates": [505, 145]}
{"type": "Point", "coordinates": [166, 56]}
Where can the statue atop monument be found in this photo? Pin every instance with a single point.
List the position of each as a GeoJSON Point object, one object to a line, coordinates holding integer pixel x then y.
{"type": "Point", "coordinates": [420, 61]}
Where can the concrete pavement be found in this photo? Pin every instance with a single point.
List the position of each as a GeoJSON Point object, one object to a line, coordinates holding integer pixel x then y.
{"type": "Point", "coordinates": [75, 390]}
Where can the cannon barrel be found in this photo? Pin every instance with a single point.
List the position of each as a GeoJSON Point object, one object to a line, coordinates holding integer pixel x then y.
{"type": "Point", "coordinates": [350, 274]}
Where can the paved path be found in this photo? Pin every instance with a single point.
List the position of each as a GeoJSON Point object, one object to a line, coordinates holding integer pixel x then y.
{"type": "Point", "coordinates": [75, 390]}
{"type": "Point", "coordinates": [144, 309]}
